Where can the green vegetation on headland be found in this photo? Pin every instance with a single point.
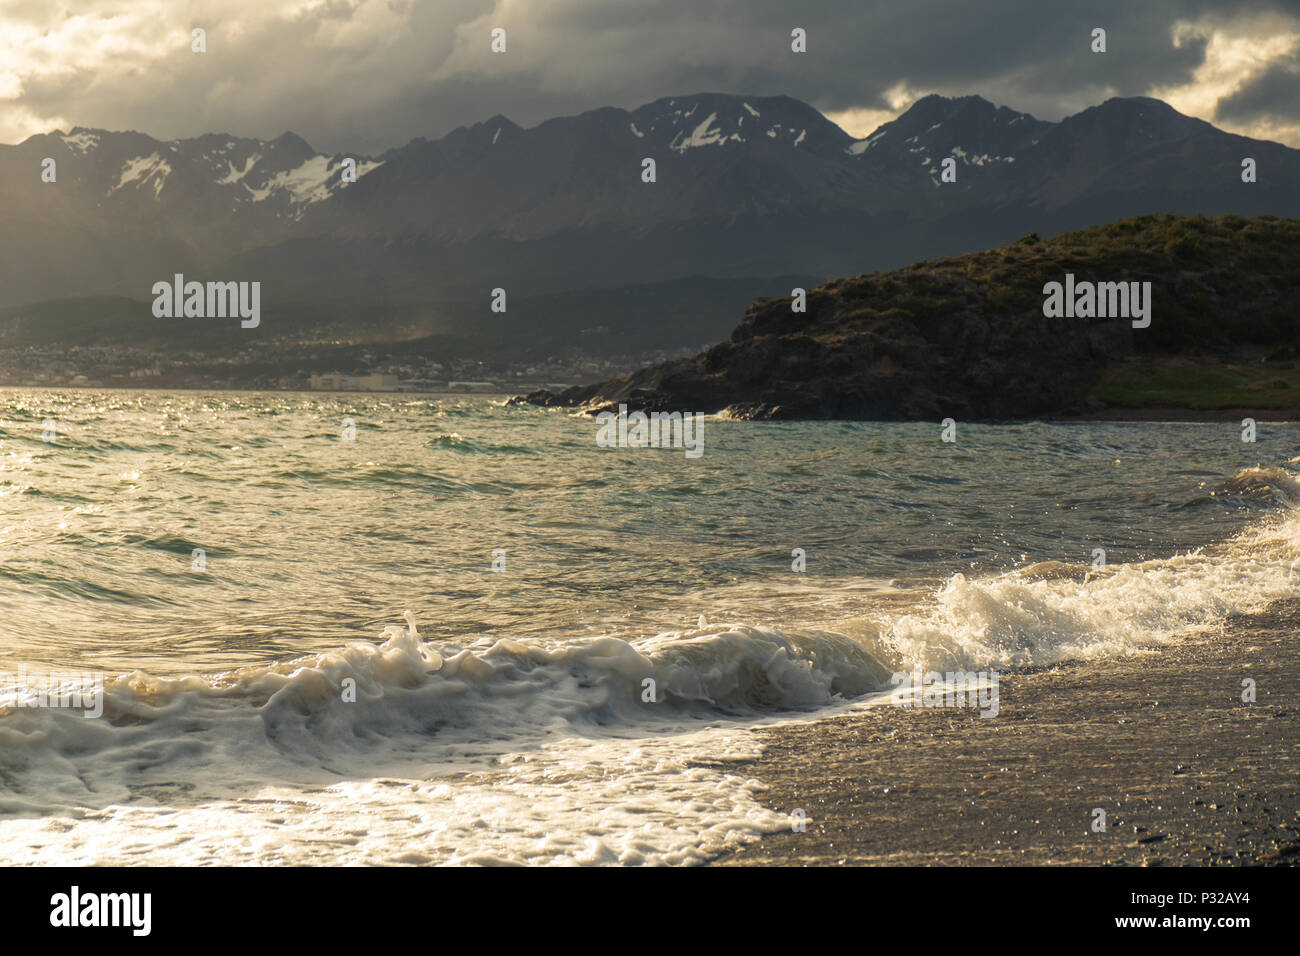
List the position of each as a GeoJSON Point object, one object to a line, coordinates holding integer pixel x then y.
{"type": "Point", "coordinates": [967, 336]}
{"type": "Point", "coordinates": [1182, 384]}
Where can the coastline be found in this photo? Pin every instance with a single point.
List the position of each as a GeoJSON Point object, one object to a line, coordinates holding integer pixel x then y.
{"type": "Point", "coordinates": [1115, 413]}
{"type": "Point", "coordinates": [1186, 772]}
{"type": "Point", "coordinates": [1172, 413]}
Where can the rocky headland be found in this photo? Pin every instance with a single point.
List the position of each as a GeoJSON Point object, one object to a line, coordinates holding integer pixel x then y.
{"type": "Point", "coordinates": [967, 337]}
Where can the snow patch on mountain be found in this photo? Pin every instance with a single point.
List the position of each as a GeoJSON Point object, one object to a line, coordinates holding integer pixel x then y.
{"type": "Point", "coordinates": [862, 145]}
{"type": "Point", "coordinates": [703, 135]}
{"type": "Point", "coordinates": [307, 183]}
{"type": "Point", "coordinates": [980, 159]}
{"type": "Point", "coordinates": [233, 176]}
{"type": "Point", "coordinates": [313, 181]}
{"type": "Point", "coordinates": [142, 169]}
{"type": "Point", "coordinates": [81, 142]}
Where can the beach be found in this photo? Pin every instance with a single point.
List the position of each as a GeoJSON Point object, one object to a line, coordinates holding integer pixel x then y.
{"type": "Point", "coordinates": [359, 629]}
{"type": "Point", "coordinates": [1186, 772]}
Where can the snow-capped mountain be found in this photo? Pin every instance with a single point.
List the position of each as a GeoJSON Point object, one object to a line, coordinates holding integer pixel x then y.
{"type": "Point", "coordinates": [716, 157]}
{"type": "Point", "coordinates": [720, 120]}
{"type": "Point", "coordinates": [742, 186]}
{"type": "Point", "coordinates": [216, 172]}
{"type": "Point", "coordinates": [123, 205]}
{"type": "Point", "coordinates": [985, 140]}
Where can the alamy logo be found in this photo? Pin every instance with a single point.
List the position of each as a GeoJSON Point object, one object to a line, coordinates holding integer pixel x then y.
{"type": "Point", "coordinates": [954, 689]}
{"type": "Point", "coordinates": [1101, 300]}
{"type": "Point", "coordinates": [103, 909]}
{"type": "Point", "coordinates": [67, 690]}
{"type": "Point", "coordinates": [215, 300]}
{"type": "Point", "coordinates": [656, 430]}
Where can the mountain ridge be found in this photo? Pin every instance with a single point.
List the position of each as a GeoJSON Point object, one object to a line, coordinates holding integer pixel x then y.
{"type": "Point", "coordinates": [746, 187]}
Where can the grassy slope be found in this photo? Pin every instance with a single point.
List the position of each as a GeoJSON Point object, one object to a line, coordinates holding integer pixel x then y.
{"type": "Point", "coordinates": [1204, 385]}
{"type": "Point", "coordinates": [1182, 254]}
{"type": "Point", "coordinates": [1187, 359]}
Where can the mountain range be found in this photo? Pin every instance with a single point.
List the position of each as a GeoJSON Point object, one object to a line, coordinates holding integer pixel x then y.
{"type": "Point", "coordinates": [746, 189]}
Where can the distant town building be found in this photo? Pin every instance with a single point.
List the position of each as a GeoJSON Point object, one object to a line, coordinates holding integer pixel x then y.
{"type": "Point", "coordinates": [333, 381]}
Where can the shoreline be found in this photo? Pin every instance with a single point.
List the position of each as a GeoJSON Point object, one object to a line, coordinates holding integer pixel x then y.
{"type": "Point", "coordinates": [1171, 413]}
{"type": "Point", "coordinates": [1117, 413]}
{"type": "Point", "coordinates": [1147, 413]}
{"type": "Point", "coordinates": [1187, 774]}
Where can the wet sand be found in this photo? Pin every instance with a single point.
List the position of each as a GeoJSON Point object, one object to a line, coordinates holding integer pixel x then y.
{"type": "Point", "coordinates": [1186, 773]}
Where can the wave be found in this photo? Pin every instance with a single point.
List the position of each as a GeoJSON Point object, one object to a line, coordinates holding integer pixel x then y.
{"type": "Point", "coordinates": [1052, 611]}
{"type": "Point", "coordinates": [366, 707]}
{"type": "Point", "coordinates": [453, 441]}
{"type": "Point", "coordinates": [1264, 485]}
{"type": "Point", "coordinates": [1269, 482]}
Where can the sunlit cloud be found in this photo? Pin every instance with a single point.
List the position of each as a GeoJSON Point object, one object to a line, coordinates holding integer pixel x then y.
{"type": "Point", "coordinates": [369, 74]}
{"type": "Point", "coordinates": [1235, 54]}
{"type": "Point", "coordinates": [862, 122]}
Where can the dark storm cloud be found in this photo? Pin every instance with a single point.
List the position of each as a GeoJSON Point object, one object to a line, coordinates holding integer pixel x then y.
{"type": "Point", "coordinates": [369, 74]}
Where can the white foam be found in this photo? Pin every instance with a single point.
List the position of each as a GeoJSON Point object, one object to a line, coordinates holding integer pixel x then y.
{"type": "Point", "coordinates": [1022, 618]}
{"type": "Point", "coordinates": [498, 751]}
{"type": "Point", "coordinates": [572, 802]}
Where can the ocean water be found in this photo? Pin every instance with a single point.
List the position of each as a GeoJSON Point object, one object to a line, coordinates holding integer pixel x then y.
{"type": "Point", "coordinates": [500, 713]}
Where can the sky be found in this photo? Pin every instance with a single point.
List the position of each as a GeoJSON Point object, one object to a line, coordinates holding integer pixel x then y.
{"type": "Point", "coordinates": [365, 75]}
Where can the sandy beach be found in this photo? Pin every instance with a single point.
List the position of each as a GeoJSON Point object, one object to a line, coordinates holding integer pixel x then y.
{"type": "Point", "coordinates": [1186, 772]}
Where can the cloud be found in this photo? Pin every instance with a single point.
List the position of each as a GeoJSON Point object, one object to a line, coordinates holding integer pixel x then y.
{"type": "Point", "coordinates": [364, 75]}
{"type": "Point", "coordinates": [1271, 93]}
{"type": "Point", "coordinates": [1242, 82]}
